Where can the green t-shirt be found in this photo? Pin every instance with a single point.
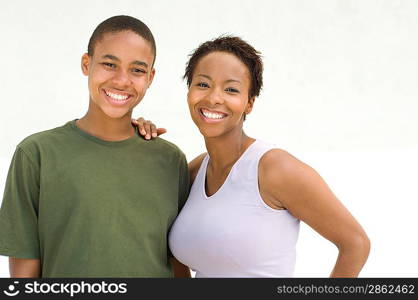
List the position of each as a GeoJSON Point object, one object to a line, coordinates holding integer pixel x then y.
{"type": "Point", "coordinates": [92, 208]}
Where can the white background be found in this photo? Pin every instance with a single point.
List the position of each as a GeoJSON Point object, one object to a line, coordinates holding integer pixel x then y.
{"type": "Point", "coordinates": [341, 91]}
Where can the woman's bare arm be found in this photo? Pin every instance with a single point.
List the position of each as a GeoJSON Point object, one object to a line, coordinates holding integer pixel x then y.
{"type": "Point", "coordinates": [299, 188]}
{"type": "Point", "coordinates": [180, 270]}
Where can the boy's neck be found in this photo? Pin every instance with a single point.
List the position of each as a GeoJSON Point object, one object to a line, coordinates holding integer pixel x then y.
{"type": "Point", "coordinates": [106, 128]}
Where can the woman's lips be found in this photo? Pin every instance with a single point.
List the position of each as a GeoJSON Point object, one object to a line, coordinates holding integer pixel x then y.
{"type": "Point", "coordinates": [212, 116]}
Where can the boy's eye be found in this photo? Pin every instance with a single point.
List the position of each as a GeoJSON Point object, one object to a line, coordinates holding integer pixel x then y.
{"type": "Point", "coordinates": [138, 71]}
{"type": "Point", "coordinates": [202, 85]}
{"type": "Point", "coordinates": [110, 65]}
{"type": "Point", "coordinates": [231, 90]}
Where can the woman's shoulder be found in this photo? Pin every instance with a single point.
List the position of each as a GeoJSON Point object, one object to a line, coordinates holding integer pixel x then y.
{"type": "Point", "coordinates": [285, 178]}
{"type": "Point", "coordinates": [278, 156]}
{"type": "Point", "coordinates": [194, 166]}
{"type": "Point", "coordinates": [281, 166]}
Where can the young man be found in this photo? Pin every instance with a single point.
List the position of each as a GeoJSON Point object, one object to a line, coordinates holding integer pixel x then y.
{"type": "Point", "coordinates": [90, 198]}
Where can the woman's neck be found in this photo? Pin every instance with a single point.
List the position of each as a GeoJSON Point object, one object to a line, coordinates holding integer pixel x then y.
{"type": "Point", "coordinates": [225, 150]}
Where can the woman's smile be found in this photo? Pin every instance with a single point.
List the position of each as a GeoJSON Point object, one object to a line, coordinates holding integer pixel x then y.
{"type": "Point", "coordinates": [212, 116]}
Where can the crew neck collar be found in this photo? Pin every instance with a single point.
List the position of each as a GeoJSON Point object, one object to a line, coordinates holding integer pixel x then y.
{"type": "Point", "coordinates": [133, 139]}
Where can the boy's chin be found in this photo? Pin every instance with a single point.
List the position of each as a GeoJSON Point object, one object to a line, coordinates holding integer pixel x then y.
{"type": "Point", "coordinates": [118, 114]}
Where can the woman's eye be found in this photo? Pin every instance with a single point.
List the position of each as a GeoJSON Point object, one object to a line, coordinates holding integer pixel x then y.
{"type": "Point", "coordinates": [231, 90]}
{"type": "Point", "coordinates": [202, 84]}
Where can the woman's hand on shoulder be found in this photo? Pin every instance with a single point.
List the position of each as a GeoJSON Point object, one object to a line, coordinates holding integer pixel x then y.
{"type": "Point", "coordinates": [147, 129]}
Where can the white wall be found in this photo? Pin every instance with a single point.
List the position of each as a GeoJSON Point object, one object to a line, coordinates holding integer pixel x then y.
{"type": "Point", "coordinates": [341, 91]}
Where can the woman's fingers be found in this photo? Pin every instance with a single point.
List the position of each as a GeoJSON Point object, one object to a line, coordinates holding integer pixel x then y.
{"type": "Point", "coordinates": [147, 126]}
{"type": "Point", "coordinates": [140, 124]}
{"type": "Point", "coordinates": [148, 129]}
{"type": "Point", "coordinates": [161, 131]}
{"type": "Point", "coordinates": [153, 130]}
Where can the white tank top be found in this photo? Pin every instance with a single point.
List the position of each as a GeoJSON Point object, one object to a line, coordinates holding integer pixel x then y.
{"type": "Point", "coordinates": [234, 233]}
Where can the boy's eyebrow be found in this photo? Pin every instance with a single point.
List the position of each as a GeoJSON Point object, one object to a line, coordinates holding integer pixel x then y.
{"type": "Point", "coordinates": [136, 62]}
{"type": "Point", "coordinates": [140, 63]}
{"type": "Point", "coordinates": [110, 56]}
{"type": "Point", "coordinates": [226, 81]}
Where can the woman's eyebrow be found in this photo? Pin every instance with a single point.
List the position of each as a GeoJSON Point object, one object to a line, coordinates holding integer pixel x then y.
{"type": "Point", "coordinates": [206, 76]}
{"type": "Point", "coordinates": [233, 80]}
{"type": "Point", "coordinates": [226, 81]}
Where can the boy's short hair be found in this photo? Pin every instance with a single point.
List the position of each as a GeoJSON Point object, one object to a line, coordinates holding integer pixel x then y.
{"type": "Point", "coordinates": [234, 45]}
{"type": "Point", "coordinates": [121, 23]}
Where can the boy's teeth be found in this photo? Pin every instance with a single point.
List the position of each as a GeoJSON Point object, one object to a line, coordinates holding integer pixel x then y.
{"type": "Point", "coordinates": [116, 97]}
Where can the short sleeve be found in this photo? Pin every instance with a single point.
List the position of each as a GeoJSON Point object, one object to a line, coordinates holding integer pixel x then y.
{"type": "Point", "coordinates": [19, 209]}
{"type": "Point", "coordinates": [184, 184]}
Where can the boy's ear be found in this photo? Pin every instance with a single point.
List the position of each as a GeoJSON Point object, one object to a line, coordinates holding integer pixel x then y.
{"type": "Point", "coordinates": [85, 64]}
{"type": "Point", "coordinates": [151, 77]}
{"type": "Point", "coordinates": [250, 105]}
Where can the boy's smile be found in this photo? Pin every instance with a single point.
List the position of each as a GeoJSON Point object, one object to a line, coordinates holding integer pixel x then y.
{"type": "Point", "coordinates": [120, 71]}
{"type": "Point", "coordinates": [116, 97]}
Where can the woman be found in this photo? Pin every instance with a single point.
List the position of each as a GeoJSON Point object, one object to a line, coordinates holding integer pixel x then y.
{"type": "Point", "coordinates": [242, 215]}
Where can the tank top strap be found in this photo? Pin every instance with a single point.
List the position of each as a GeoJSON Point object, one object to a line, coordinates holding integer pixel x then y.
{"type": "Point", "coordinates": [246, 168]}
{"type": "Point", "coordinates": [200, 178]}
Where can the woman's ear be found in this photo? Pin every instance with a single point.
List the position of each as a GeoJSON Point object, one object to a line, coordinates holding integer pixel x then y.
{"type": "Point", "coordinates": [250, 105]}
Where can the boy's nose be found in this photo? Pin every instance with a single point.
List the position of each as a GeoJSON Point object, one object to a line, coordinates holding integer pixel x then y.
{"type": "Point", "coordinates": [121, 79]}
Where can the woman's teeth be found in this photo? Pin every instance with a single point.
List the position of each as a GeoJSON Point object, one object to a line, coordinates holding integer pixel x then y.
{"type": "Point", "coordinates": [212, 115]}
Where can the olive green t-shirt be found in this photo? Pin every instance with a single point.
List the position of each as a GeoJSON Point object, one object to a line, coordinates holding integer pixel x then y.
{"type": "Point", "coordinates": [92, 208]}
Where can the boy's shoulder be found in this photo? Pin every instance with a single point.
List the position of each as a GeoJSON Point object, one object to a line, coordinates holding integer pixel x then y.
{"type": "Point", "coordinates": [168, 147]}
{"type": "Point", "coordinates": [44, 137]}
